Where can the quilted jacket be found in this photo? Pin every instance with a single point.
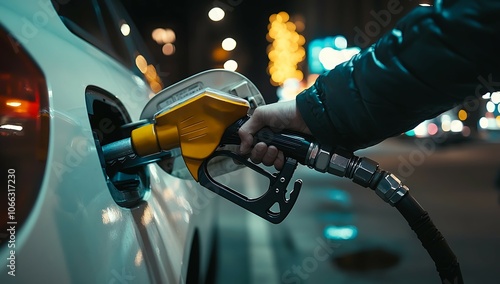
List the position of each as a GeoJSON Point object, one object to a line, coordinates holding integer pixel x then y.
{"type": "Point", "coordinates": [433, 59]}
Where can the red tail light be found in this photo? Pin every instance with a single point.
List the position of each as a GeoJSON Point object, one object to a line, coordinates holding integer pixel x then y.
{"type": "Point", "coordinates": [24, 133]}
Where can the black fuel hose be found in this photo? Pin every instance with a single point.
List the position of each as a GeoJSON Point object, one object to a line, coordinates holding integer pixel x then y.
{"type": "Point", "coordinates": [431, 238]}
{"type": "Point", "coordinates": [367, 173]}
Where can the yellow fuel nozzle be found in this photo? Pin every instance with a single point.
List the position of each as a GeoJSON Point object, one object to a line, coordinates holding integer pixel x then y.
{"type": "Point", "coordinates": [196, 126]}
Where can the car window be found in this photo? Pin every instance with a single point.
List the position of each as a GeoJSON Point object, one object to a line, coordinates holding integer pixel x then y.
{"type": "Point", "coordinates": [118, 40]}
{"type": "Point", "coordinates": [127, 39]}
{"type": "Point", "coordinates": [102, 23]}
{"type": "Point", "coordinates": [84, 19]}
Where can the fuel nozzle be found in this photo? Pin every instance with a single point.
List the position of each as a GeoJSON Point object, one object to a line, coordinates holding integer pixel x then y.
{"type": "Point", "coordinates": [195, 126]}
{"type": "Point", "coordinates": [199, 127]}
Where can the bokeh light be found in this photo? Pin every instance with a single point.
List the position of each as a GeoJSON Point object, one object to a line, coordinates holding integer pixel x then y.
{"type": "Point", "coordinates": [163, 36]}
{"type": "Point", "coordinates": [125, 29]}
{"type": "Point", "coordinates": [168, 49]}
{"type": "Point", "coordinates": [286, 49]}
{"type": "Point", "coordinates": [228, 44]}
{"type": "Point", "coordinates": [216, 14]}
{"type": "Point", "coordinates": [231, 65]}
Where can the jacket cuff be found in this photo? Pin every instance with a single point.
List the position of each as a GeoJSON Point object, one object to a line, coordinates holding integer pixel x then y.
{"type": "Point", "coordinates": [313, 112]}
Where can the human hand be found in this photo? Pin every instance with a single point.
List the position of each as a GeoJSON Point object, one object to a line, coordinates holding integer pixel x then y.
{"type": "Point", "coordinates": [278, 116]}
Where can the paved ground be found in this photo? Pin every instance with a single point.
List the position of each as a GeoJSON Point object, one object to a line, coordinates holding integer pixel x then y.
{"type": "Point", "coordinates": [455, 184]}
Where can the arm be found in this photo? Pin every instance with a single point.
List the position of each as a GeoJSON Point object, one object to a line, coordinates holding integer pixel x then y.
{"type": "Point", "coordinates": [433, 59]}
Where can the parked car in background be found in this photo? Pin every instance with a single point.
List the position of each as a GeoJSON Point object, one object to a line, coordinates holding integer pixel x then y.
{"type": "Point", "coordinates": [458, 124]}
{"type": "Point", "coordinates": [74, 76]}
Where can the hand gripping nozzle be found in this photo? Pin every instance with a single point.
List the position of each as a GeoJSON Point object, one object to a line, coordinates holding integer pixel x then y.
{"type": "Point", "coordinates": [199, 126]}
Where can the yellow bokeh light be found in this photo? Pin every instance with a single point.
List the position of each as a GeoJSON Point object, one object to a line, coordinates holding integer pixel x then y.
{"type": "Point", "coordinates": [219, 54]}
{"type": "Point", "coordinates": [272, 55]}
{"type": "Point", "coordinates": [273, 33]}
{"type": "Point", "coordinates": [290, 26]}
{"type": "Point", "coordinates": [299, 75]}
{"type": "Point", "coordinates": [301, 40]}
{"type": "Point", "coordinates": [284, 16]}
{"type": "Point", "coordinates": [155, 86]}
{"type": "Point", "coordinates": [141, 63]}
{"type": "Point", "coordinates": [269, 38]}
{"type": "Point", "coordinates": [151, 72]}
{"type": "Point", "coordinates": [300, 26]}
{"type": "Point", "coordinates": [276, 77]}
{"type": "Point", "coordinates": [272, 18]}
{"type": "Point", "coordinates": [462, 115]}
{"type": "Point", "coordinates": [285, 50]}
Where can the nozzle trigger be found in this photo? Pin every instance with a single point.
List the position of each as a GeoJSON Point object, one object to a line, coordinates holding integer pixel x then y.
{"type": "Point", "coordinates": [261, 206]}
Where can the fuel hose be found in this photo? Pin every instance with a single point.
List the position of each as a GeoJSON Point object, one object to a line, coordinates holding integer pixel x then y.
{"type": "Point", "coordinates": [367, 173]}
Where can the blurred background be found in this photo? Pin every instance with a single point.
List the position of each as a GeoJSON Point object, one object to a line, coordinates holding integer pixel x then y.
{"type": "Point", "coordinates": [193, 33]}
{"type": "Point", "coordinates": [338, 232]}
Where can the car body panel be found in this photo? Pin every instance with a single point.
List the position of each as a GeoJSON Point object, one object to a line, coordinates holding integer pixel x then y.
{"type": "Point", "coordinates": [76, 232]}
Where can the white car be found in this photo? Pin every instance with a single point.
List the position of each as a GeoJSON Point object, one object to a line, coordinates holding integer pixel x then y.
{"type": "Point", "coordinates": [71, 81]}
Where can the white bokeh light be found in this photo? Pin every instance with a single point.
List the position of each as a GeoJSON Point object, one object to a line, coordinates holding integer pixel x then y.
{"type": "Point", "coordinates": [228, 44]}
{"type": "Point", "coordinates": [495, 97]}
{"type": "Point", "coordinates": [483, 123]}
{"type": "Point", "coordinates": [216, 14]}
{"type": "Point", "coordinates": [330, 57]}
{"type": "Point", "coordinates": [231, 65]}
{"type": "Point", "coordinates": [490, 106]}
{"type": "Point", "coordinates": [125, 29]}
{"type": "Point", "coordinates": [340, 42]}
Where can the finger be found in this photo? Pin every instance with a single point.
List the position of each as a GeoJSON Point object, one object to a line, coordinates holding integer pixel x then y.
{"type": "Point", "coordinates": [246, 138]}
{"type": "Point", "coordinates": [279, 161]}
{"type": "Point", "coordinates": [270, 155]}
{"type": "Point", "coordinates": [246, 143]}
{"type": "Point", "coordinates": [246, 132]}
{"type": "Point", "coordinates": [258, 152]}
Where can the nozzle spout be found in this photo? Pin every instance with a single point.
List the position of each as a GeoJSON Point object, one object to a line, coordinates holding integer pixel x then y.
{"type": "Point", "coordinates": [117, 150]}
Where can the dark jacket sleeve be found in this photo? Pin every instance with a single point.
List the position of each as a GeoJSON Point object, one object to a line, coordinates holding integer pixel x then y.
{"type": "Point", "coordinates": [433, 59]}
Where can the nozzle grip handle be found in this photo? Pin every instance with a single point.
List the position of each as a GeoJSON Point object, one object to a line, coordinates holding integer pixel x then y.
{"type": "Point", "coordinates": [262, 205]}
{"type": "Point", "coordinates": [292, 144]}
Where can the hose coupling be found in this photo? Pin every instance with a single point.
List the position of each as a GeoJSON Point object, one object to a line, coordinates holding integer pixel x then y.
{"type": "Point", "coordinates": [390, 189]}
